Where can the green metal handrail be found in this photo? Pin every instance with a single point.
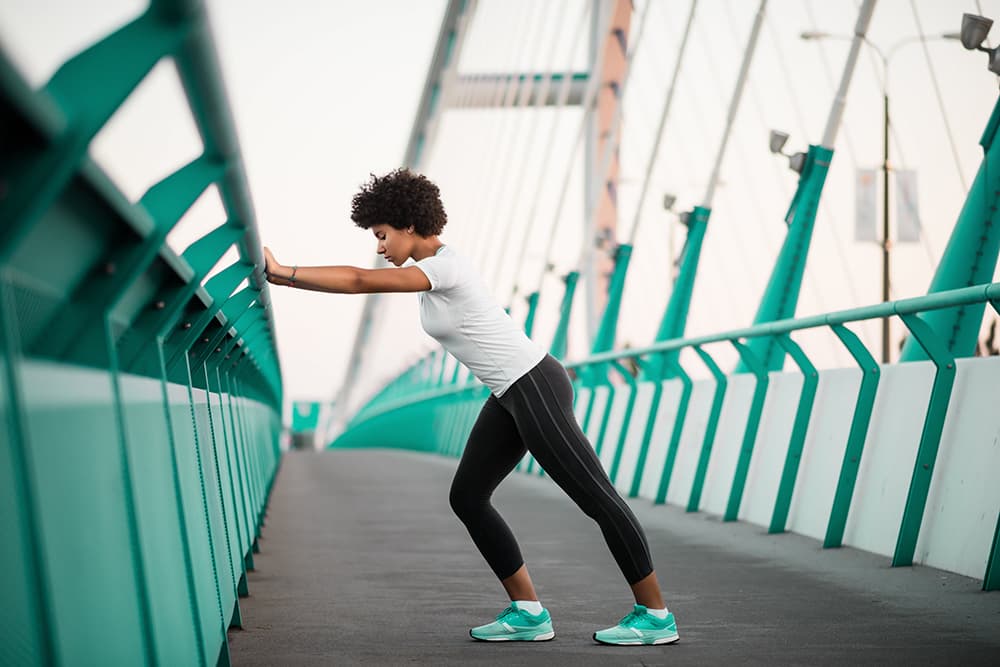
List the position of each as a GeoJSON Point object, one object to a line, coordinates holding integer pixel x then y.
{"type": "Point", "coordinates": [166, 449]}
{"type": "Point", "coordinates": [914, 305]}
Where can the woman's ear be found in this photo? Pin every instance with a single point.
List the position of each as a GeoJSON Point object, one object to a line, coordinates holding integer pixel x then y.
{"type": "Point", "coordinates": [409, 230]}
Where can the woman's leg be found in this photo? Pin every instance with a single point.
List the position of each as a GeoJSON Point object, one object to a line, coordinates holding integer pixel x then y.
{"type": "Point", "coordinates": [493, 449]}
{"type": "Point", "coordinates": [541, 404]}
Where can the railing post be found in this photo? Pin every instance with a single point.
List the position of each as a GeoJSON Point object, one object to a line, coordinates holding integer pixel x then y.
{"type": "Point", "coordinates": [168, 325]}
{"type": "Point", "coordinates": [710, 427]}
{"type": "Point", "coordinates": [39, 627]}
{"type": "Point", "coordinates": [930, 437]}
{"type": "Point", "coordinates": [612, 390]}
{"type": "Point", "coordinates": [620, 445]}
{"type": "Point", "coordinates": [585, 374]}
{"type": "Point", "coordinates": [235, 476]}
{"type": "Point", "coordinates": [672, 363]}
{"type": "Point", "coordinates": [810, 380]}
{"type": "Point", "coordinates": [870, 373]}
{"type": "Point", "coordinates": [647, 433]}
{"type": "Point", "coordinates": [218, 450]}
{"type": "Point", "coordinates": [757, 367]}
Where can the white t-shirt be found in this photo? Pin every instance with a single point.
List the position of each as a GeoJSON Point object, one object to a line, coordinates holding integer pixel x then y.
{"type": "Point", "coordinates": [460, 313]}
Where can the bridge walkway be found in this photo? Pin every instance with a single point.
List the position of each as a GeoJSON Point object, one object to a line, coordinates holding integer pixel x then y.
{"type": "Point", "coordinates": [362, 562]}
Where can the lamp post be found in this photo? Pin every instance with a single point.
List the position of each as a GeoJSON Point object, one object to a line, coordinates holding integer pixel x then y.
{"type": "Point", "coordinates": [886, 58]}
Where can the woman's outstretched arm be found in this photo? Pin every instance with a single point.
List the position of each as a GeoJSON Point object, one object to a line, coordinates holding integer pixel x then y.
{"type": "Point", "coordinates": [346, 279]}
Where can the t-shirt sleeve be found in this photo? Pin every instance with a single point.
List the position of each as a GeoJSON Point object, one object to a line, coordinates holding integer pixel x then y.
{"type": "Point", "coordinates": [442, 271]}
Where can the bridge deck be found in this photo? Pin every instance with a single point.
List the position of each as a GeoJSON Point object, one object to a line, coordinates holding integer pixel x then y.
{"type": "Point", "coordinates": [360, 552]}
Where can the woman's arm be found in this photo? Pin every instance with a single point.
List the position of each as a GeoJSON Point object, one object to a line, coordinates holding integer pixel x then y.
{"type": "Point", "coordinates": [346, 279]}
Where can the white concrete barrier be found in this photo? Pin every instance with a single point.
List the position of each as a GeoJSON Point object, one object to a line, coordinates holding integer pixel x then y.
{"type": "Point", "coordinates": [960, 518]}
{"type": "Point", "coordinates": [726, 449]}
{"type": "Point", "coordinates": [823, 451]}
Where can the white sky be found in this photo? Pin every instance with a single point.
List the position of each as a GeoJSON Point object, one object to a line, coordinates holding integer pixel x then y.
{"type": "Point", "coordinates": [325, 92]}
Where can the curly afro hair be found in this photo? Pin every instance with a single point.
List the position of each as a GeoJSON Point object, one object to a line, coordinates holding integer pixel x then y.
{"type": "Point", "coordinates": [400, 199]}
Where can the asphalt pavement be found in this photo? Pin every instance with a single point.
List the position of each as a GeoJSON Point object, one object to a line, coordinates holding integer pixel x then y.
{"type": "Point", "coordinates": [362, 562]}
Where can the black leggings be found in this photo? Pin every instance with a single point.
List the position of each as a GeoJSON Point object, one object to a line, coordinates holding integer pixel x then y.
{"type": "Point", "coordinates": [536, 414]}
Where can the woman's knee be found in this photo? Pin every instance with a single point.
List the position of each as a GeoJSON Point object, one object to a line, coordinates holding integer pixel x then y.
{"type": "Point", "coordinates": [465, 503]}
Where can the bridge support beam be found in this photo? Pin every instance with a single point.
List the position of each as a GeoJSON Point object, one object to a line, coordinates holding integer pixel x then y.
{"type": "Point", "coordinates": [559, 339]}
{"type": "Point", "coordinates": [675, 315]}
{"type": "Point", "coordinates": [782, 293]}
{"type": "Point", "coordinates": [970, 257]}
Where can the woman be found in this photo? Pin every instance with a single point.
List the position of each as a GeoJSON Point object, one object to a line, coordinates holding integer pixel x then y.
{"type": "Point", "coordinates": [530, 407]}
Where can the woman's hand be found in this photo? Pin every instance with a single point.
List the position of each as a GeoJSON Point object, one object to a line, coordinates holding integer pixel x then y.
{"type": "Point", "coordinates": [275, 273]}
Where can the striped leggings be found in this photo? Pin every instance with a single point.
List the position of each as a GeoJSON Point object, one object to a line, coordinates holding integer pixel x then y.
{"type": "Point", "coordinates": [536, 414]}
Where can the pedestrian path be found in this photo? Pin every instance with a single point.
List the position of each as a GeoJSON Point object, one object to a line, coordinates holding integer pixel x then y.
{"type": "Point", "coordinates": [362, 562]}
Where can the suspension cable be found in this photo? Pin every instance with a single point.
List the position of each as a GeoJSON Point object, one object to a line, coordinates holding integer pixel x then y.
{"type": "Point", "coordinates": [563, 96]}
{"type": "Point", "coordinates": [593, 84]}
{"type": "Point", "coordinates": [541, 93]}
{"type": "Point", "coordinates": [507, 162]}
{"type": "Point", "coordinates": [495, 94]}
{"type": "Point", "coordinates": [664, 114]}
{"type": "Point", "coordinates": [938, 96]}
{"type": "Point", "coordinates": [503, 98]}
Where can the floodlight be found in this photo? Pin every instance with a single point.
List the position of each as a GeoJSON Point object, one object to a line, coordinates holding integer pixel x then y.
{"type": "Point", "coordinates": [974, 30]}
{"type": "Point", "coordinates": [777, 140]}
{"type": "Point", "coordinates": [797, 162]}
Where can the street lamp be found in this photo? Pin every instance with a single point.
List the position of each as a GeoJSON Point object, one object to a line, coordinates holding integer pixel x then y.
{"type": "Point", "coordinates": [976, 27]}
{"type": "Point", "coordinates": [776, 141]}
{"type": "Point", "coordinates": [974, 31]}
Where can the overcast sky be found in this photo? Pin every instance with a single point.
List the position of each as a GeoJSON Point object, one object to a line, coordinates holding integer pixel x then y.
{"type": "Point", "coordinates": [323, 93]}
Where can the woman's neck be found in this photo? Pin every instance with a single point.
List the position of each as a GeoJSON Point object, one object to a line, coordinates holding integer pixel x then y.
{"type": "Point", "coordinates": [428, 250]}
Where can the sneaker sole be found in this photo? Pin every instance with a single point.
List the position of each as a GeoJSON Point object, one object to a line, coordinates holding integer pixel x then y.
{"type": "Point", "coordinates": [543, 637]}
{"type": "Point", "coordinates": [655, 642]}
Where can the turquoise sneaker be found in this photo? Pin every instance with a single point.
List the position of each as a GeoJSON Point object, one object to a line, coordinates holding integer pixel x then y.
{"type": "Point", "coordinates": [640, 627]}
{"type": "Point", "coordinates": [516, 625]}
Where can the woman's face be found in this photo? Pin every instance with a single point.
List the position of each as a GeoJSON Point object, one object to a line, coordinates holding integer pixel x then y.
{"type": "Point", "coordinates": [393, 244]}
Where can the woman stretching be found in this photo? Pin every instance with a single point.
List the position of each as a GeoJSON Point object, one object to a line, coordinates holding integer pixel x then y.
{"type": "Point", "coordinates": [530, 407]}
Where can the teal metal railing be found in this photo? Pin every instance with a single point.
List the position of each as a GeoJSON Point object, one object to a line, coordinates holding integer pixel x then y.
{"type": "Point", "coordinates": [141, 402]}
{"type": "Point", "coordinates": [420, 415]}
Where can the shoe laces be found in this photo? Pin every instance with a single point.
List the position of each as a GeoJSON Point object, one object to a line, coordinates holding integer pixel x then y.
{"type": "Point", "coordinates": [506, 613]}
{"type": "Point", "coordinates": [630, 618]}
